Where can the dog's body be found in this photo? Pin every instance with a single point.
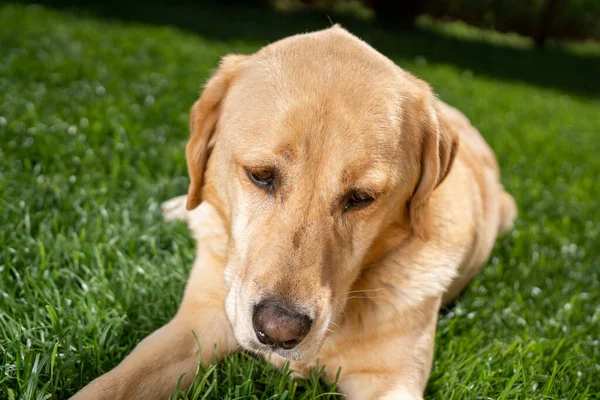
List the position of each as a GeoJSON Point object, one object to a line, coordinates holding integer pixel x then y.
{"type": "Point", "coordinates": [326, 232]}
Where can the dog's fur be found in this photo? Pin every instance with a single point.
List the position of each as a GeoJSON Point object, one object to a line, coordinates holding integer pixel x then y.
{"type": "Point", "coordinates": [329, 114]}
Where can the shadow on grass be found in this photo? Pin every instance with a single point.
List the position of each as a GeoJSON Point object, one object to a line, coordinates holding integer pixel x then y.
{"type": "Point", "coordinates": [551, 68]}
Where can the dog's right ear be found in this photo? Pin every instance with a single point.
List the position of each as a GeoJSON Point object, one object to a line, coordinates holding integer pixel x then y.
{"type": "Point", "coordinates": [204, 117]}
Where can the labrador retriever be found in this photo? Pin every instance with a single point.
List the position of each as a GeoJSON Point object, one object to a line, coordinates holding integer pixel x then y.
{"type": "Point", "coordinates": [337, 204]}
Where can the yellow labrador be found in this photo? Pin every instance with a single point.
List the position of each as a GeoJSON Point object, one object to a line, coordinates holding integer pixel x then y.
{"type": "Point", "coordinates": [337, 204]}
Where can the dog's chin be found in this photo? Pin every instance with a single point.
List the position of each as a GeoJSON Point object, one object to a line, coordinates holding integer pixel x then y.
{"type": "Point", "coordinates": [297, 354]}
{"type": "Point", "coordinates": [266, 351]}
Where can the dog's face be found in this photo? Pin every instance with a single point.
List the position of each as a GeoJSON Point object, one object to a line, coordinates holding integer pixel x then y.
{"type": "Point", "coordinates": [317, 145]}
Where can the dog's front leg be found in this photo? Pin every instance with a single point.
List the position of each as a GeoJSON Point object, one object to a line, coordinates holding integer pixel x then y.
{"type": "Point", "coordinates": [154, 367]}
{"type": "Point", "coordinates": [391, 355]}
{"type": "Point", "coordinates": [152, 370]}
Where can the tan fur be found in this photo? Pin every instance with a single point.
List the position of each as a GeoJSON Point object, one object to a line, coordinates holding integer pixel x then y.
{"type": "Point", "coordinates": [328, 114]}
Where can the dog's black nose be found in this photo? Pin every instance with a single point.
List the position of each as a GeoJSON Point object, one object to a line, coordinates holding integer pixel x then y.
{"type": "Point", "coordinates": [276, 324]}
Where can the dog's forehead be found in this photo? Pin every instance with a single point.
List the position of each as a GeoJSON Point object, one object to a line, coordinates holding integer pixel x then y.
{"type": "Point", "coordinates": [330, 129]}
{"type": "Point", "coordinates": [326, 88]}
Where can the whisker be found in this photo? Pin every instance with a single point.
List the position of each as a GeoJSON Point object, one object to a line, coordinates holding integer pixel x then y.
{"type": "Point", "coordinates": [365, 290]}
{"type": "Point", "coordinates": [340, 328]}
{"type": "Point", "coordinates": [367, 298]}
{"type": "Point", "coordinates": [340, 305]}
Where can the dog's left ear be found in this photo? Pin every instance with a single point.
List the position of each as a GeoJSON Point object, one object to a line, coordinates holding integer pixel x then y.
{"type": "Point", "coordinates": [204, 117]}
{"type": "Point", "coordinates": [439, 144]}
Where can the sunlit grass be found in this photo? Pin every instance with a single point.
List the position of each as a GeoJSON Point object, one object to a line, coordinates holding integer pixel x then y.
{"type": "Point", "coordinates": [93, 122]}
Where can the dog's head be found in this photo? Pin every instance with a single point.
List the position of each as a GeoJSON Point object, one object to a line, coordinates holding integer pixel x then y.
{"type": "Point", "coordinates": [311, 150]}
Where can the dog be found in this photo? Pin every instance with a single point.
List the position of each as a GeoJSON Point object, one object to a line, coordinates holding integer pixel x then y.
{"type": "Point", "coordinates": [337, 204]}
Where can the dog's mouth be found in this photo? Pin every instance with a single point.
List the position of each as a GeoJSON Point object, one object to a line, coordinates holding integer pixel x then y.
{"type": "Point", "coordinates": [285, 329]}
{"type": "Point", "coordinates": [266, 350]}
{"type": "Point", "coordinates": [276, 324]}
{"type": "Point", "coordinates": [278, 328]}
{"type": "Point", "coordinates": [307, 349]}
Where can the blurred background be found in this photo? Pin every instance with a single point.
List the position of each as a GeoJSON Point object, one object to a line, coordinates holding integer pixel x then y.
{"type": "Point", "coordinates": [540, 20]}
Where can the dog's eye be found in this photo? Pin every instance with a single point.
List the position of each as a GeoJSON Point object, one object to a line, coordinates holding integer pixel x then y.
{"type": "Point", "coordinates": [357, 199]}
{"type": "Point", "coordinates": [262, 177]}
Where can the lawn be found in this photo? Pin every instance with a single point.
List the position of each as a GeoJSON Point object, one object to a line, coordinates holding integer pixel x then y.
{"type": "Point", "coordinates": [93, 121]}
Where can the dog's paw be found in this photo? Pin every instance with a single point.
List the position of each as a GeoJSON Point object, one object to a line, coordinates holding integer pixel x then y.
{"type": "Point", "coordinates": [401, 394]}
{"type": "Point", "coordinates": [175, 209]}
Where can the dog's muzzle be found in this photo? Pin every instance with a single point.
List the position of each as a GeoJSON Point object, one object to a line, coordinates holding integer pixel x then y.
{"type": "Point", "coordinates": [279, 324]}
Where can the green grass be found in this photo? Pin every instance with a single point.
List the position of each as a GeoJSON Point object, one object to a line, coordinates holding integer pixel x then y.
{"type": "Point", "coordinates": [93, 122]}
